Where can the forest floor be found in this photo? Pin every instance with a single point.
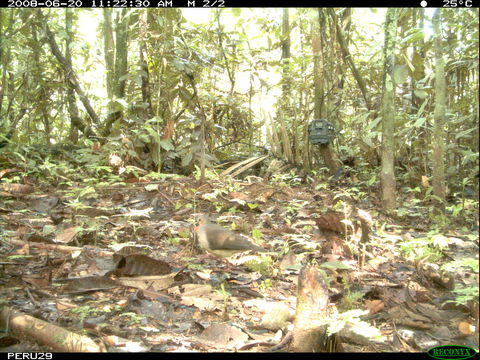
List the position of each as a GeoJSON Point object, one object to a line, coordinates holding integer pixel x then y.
{"type": "Point", "coordinates": [116, 268]}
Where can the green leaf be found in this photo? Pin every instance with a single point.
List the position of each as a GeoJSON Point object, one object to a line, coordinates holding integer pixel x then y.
{"type": "Point", "coordinates": [257, 234]}
{"type": "Point", "coordinates": [166, 145]}
{"type": "Point", "coordinates": [373, 124]}
{"type": "Point", "coordinates": [417, 60]}
{"type": "Point", "coordinates": [335, 325]}
{"type": "Point", "coordinates": [422, 107]}
{"type": "Point", "coordinates": [85, 191]}
{"type": "Point", "coordinates": [400, 74]}
{"type": "Point", "coordinates": [48, 229]}
{"type": "Point", "coordinates": [336, 265]}
{"type": "Point", "coordinates": [419, 122]}
{"type": "Point", "coordinates": [151, 187]}
{"type": "Point", "coordinates": [416, 35]}
{"type": "Point", "coordinates": [187, 159]}
{"type": "Point", "coordinates": [410, 65]}
{"type": "Point", "coordinates": [464, 133]}
{"type": "Point", "coordinates": [115, 106]}
{"type": "Point", "coordinates": [151, 132]}
{"type": "Point", "coordinates": [422, 94]}
{"type": "Point", "coordinates": [440, 241]}
{"type": "Point", "coordinates": [388, 85]}
{"type": "Point", "coordinates": [470, 157]}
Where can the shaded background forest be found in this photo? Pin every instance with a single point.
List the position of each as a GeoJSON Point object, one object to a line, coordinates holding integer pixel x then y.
{"type": "Point", "coordinates": [137, 86]}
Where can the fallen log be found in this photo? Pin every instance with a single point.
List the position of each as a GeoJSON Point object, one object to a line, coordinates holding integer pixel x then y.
{"type": "Point", "coordinates": [56, 337]}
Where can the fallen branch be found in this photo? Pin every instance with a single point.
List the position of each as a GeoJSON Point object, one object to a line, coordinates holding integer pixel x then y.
{"type": "Point", "coordinates": [54, 247]}
{"type": "Point", "coordinates": [59, 339]}
{"type": "Point", "coordinates": [243, 165]}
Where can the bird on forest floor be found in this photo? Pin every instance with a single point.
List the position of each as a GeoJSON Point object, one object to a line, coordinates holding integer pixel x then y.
{"type": "Point", "coordinates": [220, 241]}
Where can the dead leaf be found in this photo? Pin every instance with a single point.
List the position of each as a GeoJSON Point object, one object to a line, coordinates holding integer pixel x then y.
{"type": "Point", "coordinates": [17, 188]}
{"type": "Point", "coordinates": [124, 345]}
{"type": "Point", "coordinates": [8, 171]}
{"type": "Point", "coordinates": [90, 283]}
{"type": "Point", "coordinates": [36, 280]}
{"type": "Point", "coordinates": [333, 221]}
{"type": "Point", "coordinates": [202, 296]}
{"type": "Point", "coordinates": [43, 203]}
{"type": "Point", "coordinates": [67, 235]}
{"type": "Point", "coordinates": [239, 196]}
{"type": "Point", "coordinates": [63, 304]}
{"type": "Point", "coordinates": [425, 182]}
{"type": "Point", "coordinates": [223, 335]}
{"type": "Point", "coordinates": [93, 212]}
{"type": "Point", "coordinates": [374, 306]}
{"type": "Point", "coordinates": [155, 283]}
{"type": "Point", "coordinates": [466, 328]}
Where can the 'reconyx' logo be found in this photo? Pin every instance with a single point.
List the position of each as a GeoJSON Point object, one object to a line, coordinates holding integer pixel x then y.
{"type": "Point", "coordinates": [456, 352]}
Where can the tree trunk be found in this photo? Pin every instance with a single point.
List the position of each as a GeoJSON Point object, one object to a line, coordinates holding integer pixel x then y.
{"type": "Point", "coordinates": [72, 81]}
{"type": "Point", "coordinates": [438, 182]}
{"type": "Point", "coordinates": [388, 115]}
{"type": "Point", "coordinates": [348, 57]}
{"type": "Point", "coordinates": [312, 314]}
{"type": "Point", "coordinates": [329, 156]}
{"type": "Point", "coordinates": [120, 69]}
{"type": "Point", "coordinates": [285, 52]}
{"type": "Point", "coordinates": [108, 51]}
{"type": "Point", "coordinates": [318, 90]}
{"type": "Point", "coordinates": [146, 89]}
{"type": "Point", "coordinates": [284, 111]}
{"type": "Point", "coordinates": [71, 98]}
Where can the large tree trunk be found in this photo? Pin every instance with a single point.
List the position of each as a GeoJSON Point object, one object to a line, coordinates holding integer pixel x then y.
{"type": "Point", "coordinates": [120, 68]}
{"type": "Point", "coordinates": [329, 156]}
{"type": "Point", "coordinates": [72, 100]}
{"type": "Point", "coordinates": [146, 89]}
{"type": "Point", "coordinates": [438, 181]}
{"type": "Point", "coordinates": [73, 82]}
{"type": "Point", "coordinates": [284, 111]}
{"type": "Point", "coordinates": [109, 51]}
{"type": "Point", "coordinates": [348, 57]}
{"type": "Point", "coordinates": [388, 115]}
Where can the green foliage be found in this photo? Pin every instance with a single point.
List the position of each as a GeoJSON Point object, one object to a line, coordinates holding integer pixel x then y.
{"type": "Point", "coordinates": [349, 297]}
{"type": "Point", "coordinates": [225, 295]}
{"type": "Point", "coordinates": [466, 295]}
{"type": "Point", "coordinates": [151, 187]}
{"type": "Point", "coordinates": [428, 248]}
{"type": "Point", "coordinates": [191, 266]}
{"type": "Point", "coordinates": [262, 264]}
{"type": "Point", "coordinates": [257, 234]}
{"type": "Point", "coordinates": [335, 265]}
{"type": "Point", "coordinates": [174, 240]}
{"type": "Point", "coordinates": [471, 263]}
{"type": "Point", "coordinates": [76, 204]}
{"type": "Point", "coordinates": [351, 192]}
{"type": "Point", "coordinates": [322, 186]}
{"type": "Point", "coordinates": [14, 257]}
{"type": "Point", "coordinates": [294, 206]}
{"type": "Point", "coordinates": [265, 284]}
{"type": "Point", "coordinates": [290, 179]}
{"type": "Point", "coordinates": [82, 312]}
{"type": "Point", "coordinates": [209, 174]}
{"type": "Point", "coordinates": [352, 318]}
{"type": "Point", "coordinates": [133, 318]}
{"type": "Point", "coordinates": [161, 176]}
